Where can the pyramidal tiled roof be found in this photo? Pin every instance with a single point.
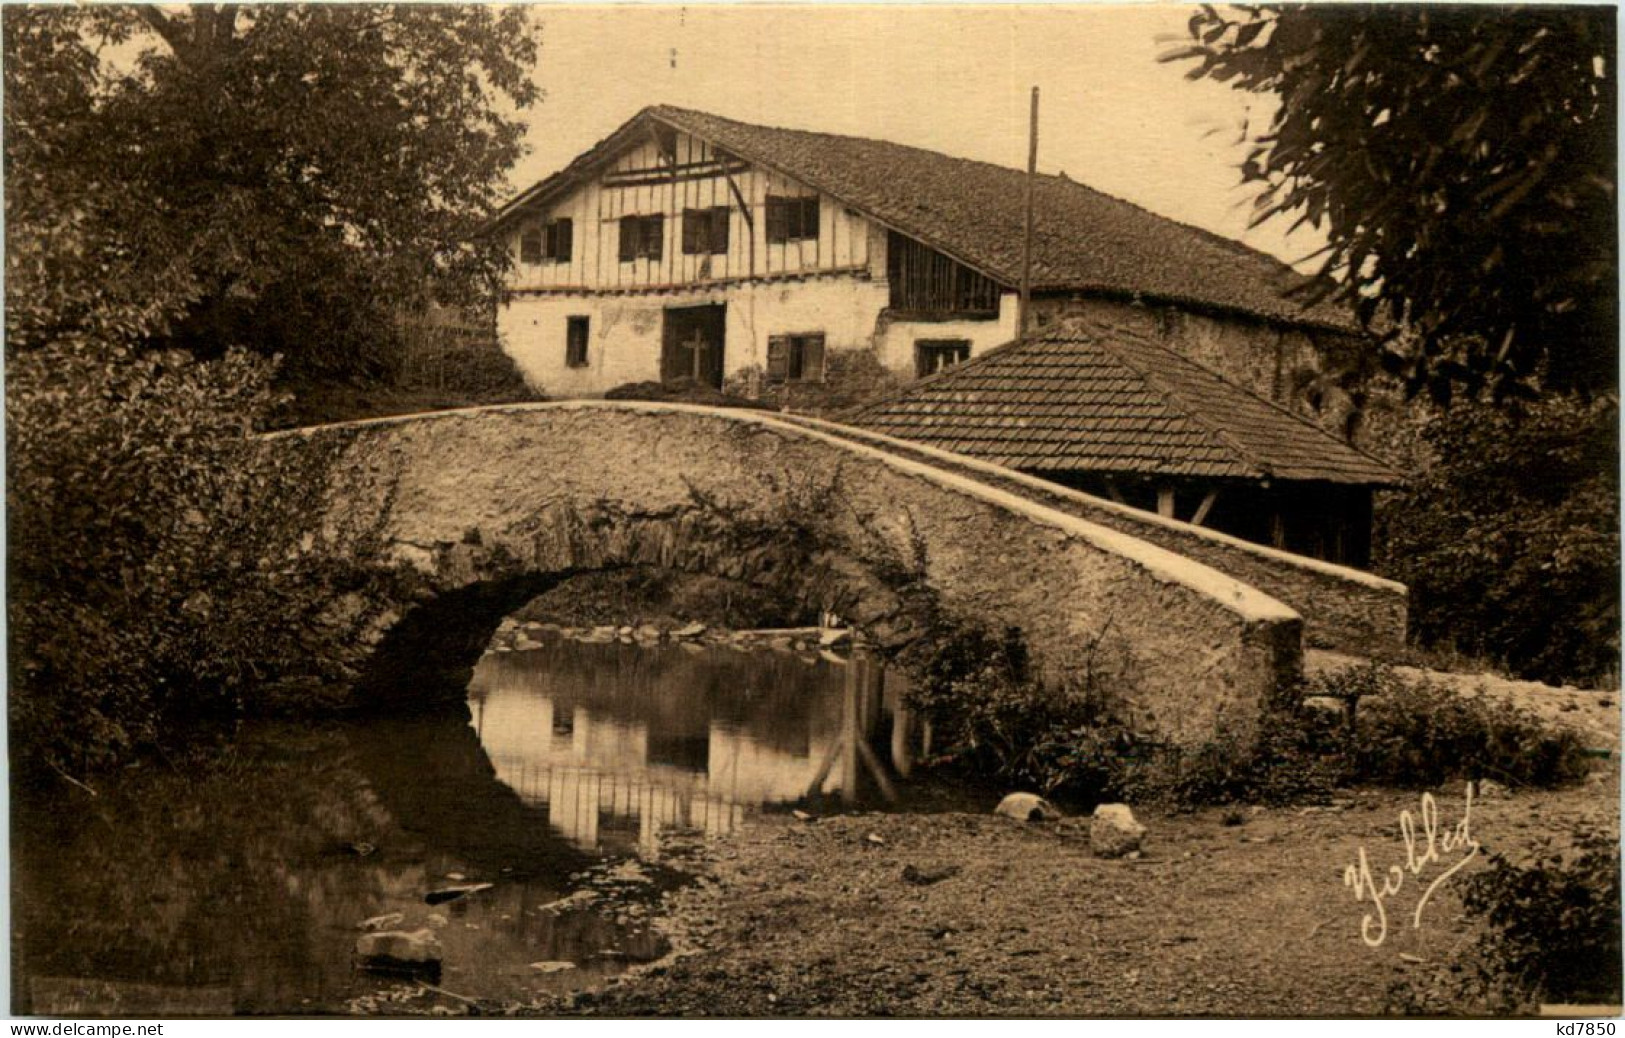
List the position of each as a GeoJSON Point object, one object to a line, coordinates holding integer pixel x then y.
{"type": "Point", "coordinates": [1084, 240]}
{"type": "Point", "coordinates": [1078, 399]}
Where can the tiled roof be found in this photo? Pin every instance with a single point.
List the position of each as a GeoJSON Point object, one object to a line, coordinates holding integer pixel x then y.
{"type": "Point", "coordinates": [1083, 241]}
{"type": "Point", "coordinates": [1113, 402]}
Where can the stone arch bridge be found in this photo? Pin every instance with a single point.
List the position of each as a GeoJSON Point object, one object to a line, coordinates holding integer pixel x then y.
{"type": "Point", "coordinates": [487, 507]}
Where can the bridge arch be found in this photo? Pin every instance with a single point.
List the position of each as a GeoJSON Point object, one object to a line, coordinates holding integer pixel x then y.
{"type": "Point", "coordinates": [490, 506]}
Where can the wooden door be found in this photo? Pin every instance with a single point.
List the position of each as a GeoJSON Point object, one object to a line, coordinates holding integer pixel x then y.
{"type": "Point", "coordinates": [693, 344]}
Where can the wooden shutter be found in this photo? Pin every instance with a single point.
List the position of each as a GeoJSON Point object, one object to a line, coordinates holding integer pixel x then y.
{"type": "Point", "coordinates": [778, 229]}
{"type": "Point", "coordinates": [629, 238]}
{"type": "Point", "coordinates": [809, 218]}
{"type": "Point", "coordinates": [719, 229]}
{"type": "Point", "coordinates": [778, 358]}
{"type": "Point", "coordinates": [560, 240]}
{"type": "Point", "coordinates": [812, 358]}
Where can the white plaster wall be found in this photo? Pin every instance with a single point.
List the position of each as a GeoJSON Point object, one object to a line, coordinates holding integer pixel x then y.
{"type": "Point", "coordinates": [894, 343]}
{"type": "Point", "coordinates": [623, 342]}
{"type": "Point", "coordinates": [625, 331]}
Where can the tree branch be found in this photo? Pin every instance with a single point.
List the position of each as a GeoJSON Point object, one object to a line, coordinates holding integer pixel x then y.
{"type": "Point", "coordinates": [163, 25]}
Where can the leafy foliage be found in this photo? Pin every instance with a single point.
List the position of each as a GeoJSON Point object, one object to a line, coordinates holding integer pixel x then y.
{"type": "Point", "coordinates": [1418, 733]}
{"type": "Point", "coordinates": [281, 177]}
{"type": "Point", "coordinates": [992, 718]}
{"type": "Point", "coordinates": [1508, 537]}
{"type": "Point", "coordinates": [1554, 922]}
{"type": "Point", "coordinates": [164, 565]}
{"type": "Point", "coordinates": [1461, 160]}
{"type": "Point", "coordinates": [1297, 755]}
{"type": "Point", "coordinates": [995, 721]}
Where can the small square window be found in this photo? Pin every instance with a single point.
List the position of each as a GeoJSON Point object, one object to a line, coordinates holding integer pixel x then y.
{"type": "Point", "coordinates": [791, 219]}
{"type": "Point", "coordinates": [530, 245]}
{"type": "Point", "coordinates": [705, 231]}
{"type": "Point", "coordinates": [642, 237]}
{"type": "Point", "coordinates": [575, 342]}
{"type": "Point", "coordinates": [934, 355]}
{"type": "Point", "coordinates": [796, 358]}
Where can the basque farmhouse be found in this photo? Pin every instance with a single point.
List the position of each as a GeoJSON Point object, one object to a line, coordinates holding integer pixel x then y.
{"type": "Point", "coordinates": [767, 261]}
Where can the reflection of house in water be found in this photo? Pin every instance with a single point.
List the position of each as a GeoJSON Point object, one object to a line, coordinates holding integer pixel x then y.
{"type": "Point", "coordinates": [618, 742]}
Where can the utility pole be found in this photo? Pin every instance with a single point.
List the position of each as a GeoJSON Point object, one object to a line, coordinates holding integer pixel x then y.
{"type": "Point", "coordinates": [1027, 233]}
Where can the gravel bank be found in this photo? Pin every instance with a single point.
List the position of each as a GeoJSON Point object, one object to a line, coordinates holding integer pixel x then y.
{"type": "Point", "coordinates": [815, 918]}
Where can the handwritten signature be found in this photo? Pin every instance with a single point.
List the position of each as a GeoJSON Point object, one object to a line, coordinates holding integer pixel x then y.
{"type": "Point", "coordinates": [1422, 849]}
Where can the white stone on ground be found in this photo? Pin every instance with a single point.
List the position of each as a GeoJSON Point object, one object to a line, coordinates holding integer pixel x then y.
{"type": "Point", "coordinates": [1113, 832]}
{"type": "Point", "coordinates": [1027, 807]}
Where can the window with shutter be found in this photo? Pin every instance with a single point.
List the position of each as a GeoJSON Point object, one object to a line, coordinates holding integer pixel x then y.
{"type": "Point", "coordinates": [560, 240]}
{"type": "Point", "coordinates": [530, 245]}
{"type": "Point", "coordinates": [705, 231]}
{"type": "Point", "coordinates": [796, 358]}
{"type": "Point", "coordinates": [791, 219]}
{"type": "Point", "coordinates": [642, 237]}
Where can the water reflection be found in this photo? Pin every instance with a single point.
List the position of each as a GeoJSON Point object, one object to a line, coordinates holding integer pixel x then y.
{"type": "Point", "coordinates": [619, 742]}
{"type": "Point", "coordinates": [237, 884]}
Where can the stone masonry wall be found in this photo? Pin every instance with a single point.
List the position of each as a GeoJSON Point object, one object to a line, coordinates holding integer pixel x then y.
{"type": "Point", "coordinates": [478, 499]}
{"type": "Point", "coordinates": [1343, 608]}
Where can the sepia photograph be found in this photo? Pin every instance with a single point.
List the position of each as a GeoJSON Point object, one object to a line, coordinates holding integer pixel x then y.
{"type": "Point", "coordinates": [915, 510]}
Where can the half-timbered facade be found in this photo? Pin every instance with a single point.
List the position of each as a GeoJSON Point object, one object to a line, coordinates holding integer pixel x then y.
{"type": "Point", "coordinates": [688, 245]}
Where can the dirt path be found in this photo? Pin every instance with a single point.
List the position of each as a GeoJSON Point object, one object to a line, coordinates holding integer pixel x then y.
{"type": "Point", "coordinates": [802, 918]}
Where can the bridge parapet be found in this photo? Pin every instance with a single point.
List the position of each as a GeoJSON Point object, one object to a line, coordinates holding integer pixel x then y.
{"type": "Point", "coordinates": [486, 503]}
{"type": "Point", "coordinates": [1342, 608]}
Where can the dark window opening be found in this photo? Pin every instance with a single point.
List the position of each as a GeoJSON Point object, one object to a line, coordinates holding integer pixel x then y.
{"type": "Point", "coordinates": [933, 355]}
{"type": "Point", "coordinates": [530, 245]}
{"type": "Point", "coordinates": [791, 219]}
{"type": "Point", "coordinates": [575, 342]}
{"type": "Point", "coordinates": [705, 231]}
{"type": "Point", "coordinates": [642, 237]}
{"type": "Point", "coordinates": [924, 281]}
{"type": "Point", "coordinates": [559, 240]}
{"type": "Point", "coordinates": [796, 358]}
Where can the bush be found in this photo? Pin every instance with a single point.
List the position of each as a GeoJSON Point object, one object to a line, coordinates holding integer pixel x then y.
{"type": "Point", "coordinates": [163, 565]}
{"type": "Point", "coordinates": [1553, 924]}
{"type": "Point", "coordinates": [1421, 734]}
{"type": "Point", "coordinates": [992, 719]}
{"type": "Point", "coordinates": [1297, 755]}
{"type": "Point", "coordinates": [995, 721]}
{"type": "Point", "coordinates": [1509, 537]}
{"type": "Point", "coordinates": [682, 391]}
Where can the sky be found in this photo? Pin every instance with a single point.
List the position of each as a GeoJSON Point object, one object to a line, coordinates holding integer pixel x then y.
{"type": "Point", "coordinates": [954, 78]}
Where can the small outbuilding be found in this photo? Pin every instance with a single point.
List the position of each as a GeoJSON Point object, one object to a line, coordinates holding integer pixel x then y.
{"type": "Point", "coordinates": [1119, 415]}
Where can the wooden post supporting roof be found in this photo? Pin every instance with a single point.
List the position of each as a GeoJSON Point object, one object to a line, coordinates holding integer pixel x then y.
{"type": "Point", "coordinates": [1165, 501]}
{"type": "Point", "coordinates": [1205, 507]}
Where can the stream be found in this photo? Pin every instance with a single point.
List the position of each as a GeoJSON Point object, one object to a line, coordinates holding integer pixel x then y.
{"type": "Point", "coordinates": [571, 781]}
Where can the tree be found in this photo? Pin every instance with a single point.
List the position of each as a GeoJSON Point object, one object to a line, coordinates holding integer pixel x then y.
{"type": "Point", "coordinates": [1461, 159]}
{"type": "Point", "coordinates": [1508, 536]}
{"type": "Point", "coordinates": [274, 176]}
{"type": "Point", "coordinates": [165, 567]}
